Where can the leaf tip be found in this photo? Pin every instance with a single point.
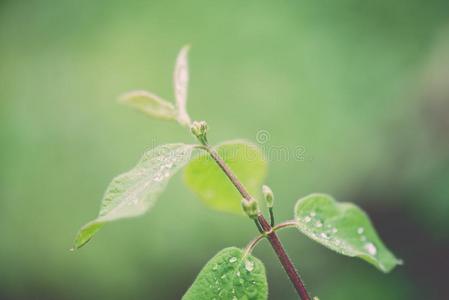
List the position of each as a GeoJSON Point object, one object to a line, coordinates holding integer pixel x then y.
{"type": "Point", "coordinates": [186, 48]}
{"type": "Point", "coordinates": [397, 262]}
{"type": "Point", "coordinates": [128, 96]}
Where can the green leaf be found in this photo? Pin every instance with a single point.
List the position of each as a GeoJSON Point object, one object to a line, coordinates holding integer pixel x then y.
{"type": "Point", "coordinates": [212, 186]}
{"type": "Point", "coordinates": [230, 274]}
{"type": "Point", "coordinates": [150, 104]}
{"type": "Point", "coordinates": [181, 82]}
{"type": "Point", "coordinates": [344, 228]}
{"type": "Point", "coordinates": [134, 192]}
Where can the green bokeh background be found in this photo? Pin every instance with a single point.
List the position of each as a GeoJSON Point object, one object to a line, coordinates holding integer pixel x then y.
{"type": "Point", "coordinates": [362, 86]}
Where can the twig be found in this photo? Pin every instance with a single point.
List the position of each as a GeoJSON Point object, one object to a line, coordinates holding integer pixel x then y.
{"type": "Point", "coordinates": [271, 235]}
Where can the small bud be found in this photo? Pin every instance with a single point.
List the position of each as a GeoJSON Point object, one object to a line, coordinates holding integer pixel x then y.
{"type": "Point", "coordinates": [268, 195]}
{"type": "Point", "coordinates": [199, 129]}
{"type": "Point", "coordinates": [250, 207]}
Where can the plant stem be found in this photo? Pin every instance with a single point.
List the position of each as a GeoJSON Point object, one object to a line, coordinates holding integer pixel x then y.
{"type": "Point", "coordinates": [270, 209]}
{"type": "Point", "coordinates": [258, 225]}
{"type": "Point", "coordinates": [284, 259]}
{"type": "Point", "coordinates": [262, 235]}
{"type": "Point", "coordinates": [239, 186]}
{"type": "Point", "coordinates": [291, 223]}
{"type": "Point", "coordinates": [271, 234]}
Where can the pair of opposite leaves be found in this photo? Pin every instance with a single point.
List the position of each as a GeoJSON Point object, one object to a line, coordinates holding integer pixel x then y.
{"type": "Point", "coordinates": [134, 192]}
{"type": "Point", "coordinates": [342, 227]}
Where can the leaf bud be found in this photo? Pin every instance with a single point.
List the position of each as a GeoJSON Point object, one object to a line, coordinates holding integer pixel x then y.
{"type": "Point", "coordinates": [199, 129]}
{"type": "Point", "coordinates": [250, 207]}
{"type": "Point", "coordinates": [268, 195]}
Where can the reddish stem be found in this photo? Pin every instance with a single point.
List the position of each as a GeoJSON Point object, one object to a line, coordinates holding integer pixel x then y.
{"type": "Point", "coordinates": [284, 259]}
{"type": "Point", "coordinates": [271, 235]}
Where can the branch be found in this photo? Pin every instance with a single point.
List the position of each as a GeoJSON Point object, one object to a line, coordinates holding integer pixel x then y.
{"type": "Point", "coordinates": [271, 235]}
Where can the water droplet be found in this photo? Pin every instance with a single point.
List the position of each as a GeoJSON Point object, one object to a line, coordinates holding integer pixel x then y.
{"type": "Point", "coordinates": [313, 214]}
{"type": "Point", "coordinates": [215, 267]}
{"type": "Point", "coordinates": [249, 266]}
{"type": "Point", "coordinates": [307, 219]}
{"type": "Point", "coordinates": [360, 230]}
{"type": "Point", "coordinates": [157, 178]}
{"type": "Point", "coordinates": [233, 259]}
{"type": "Point", "coordinates": [238, 273]}
{"type": "Point", "coordinates": [223, 276]}
{"type": "Point", "coordinates": [234, 298]}
{"type": "Point", "coordinates": [371, 248]}
{"type": "Point", "coordinates": [324, 236]}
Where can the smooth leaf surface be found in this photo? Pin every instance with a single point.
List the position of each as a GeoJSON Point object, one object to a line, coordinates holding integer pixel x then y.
{"type": "Point", "coordinates": [181, 82]}
{"type": "Point", "coordinates": [150, 104]}
{"type": "Point", "coordinates": [230, 274]}
{"type": "Point", "coordinates": [344, 228]}
{"type": "Point", "coordinates": [134, 192]}
{"type": "Point", "coordinates": [212, 186]}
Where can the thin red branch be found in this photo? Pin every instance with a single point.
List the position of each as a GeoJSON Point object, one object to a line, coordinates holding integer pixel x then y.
{"type": "Point", "coordinates": [271, 235]}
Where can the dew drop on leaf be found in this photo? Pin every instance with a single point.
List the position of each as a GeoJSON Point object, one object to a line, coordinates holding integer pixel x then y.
{"type": "Point", "coordinates": [324, 235]}
{"type": "Point", "coordinates": [371, 248]}
{"type": "Point", "coordinates": [249, 266]}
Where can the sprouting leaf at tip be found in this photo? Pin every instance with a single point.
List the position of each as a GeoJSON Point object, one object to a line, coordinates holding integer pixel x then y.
{"type": "Point", "coordinates": [181, 82]}
{"type": "Point", "coordinates": [344, 228]}
{"type": "Point", "coordinates": [134, 192]}
{"type": "Point", "coordinates": [230, 274]}
{"type": "Point", "coordinates": [150, 104]}
{"type": "Point", "coordinates": [205, 178]}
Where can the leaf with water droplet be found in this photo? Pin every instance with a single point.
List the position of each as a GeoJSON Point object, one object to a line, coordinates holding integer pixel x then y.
{"type": "Point", "coordinates": [211, 185]}
{"type": "Point", "coordinates": [230, 274]}
{"type": "Point", "coordinates": [181, 82]}
{"type": "Point", "coordinates": [150, 104]}
{"type": "Point", "coordinates": [134, 192]}
{"type": "Point", "coordinates": [344, 228]}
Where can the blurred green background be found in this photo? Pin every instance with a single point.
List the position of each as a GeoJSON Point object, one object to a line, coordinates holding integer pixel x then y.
{"type": "Point", "coordinates": [362, 86]}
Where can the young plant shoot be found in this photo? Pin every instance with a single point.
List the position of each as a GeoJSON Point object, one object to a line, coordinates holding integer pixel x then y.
{"type": "Point", "coordinates": [225, 179]}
